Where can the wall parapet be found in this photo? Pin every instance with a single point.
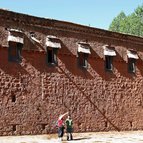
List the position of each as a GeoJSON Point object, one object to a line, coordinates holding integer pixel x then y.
{"type": "Point", "coordinates": [27, 20]}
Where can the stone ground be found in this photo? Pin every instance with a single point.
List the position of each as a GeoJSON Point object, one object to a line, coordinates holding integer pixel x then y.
{"type": "Point", "coordinates": [96, 137]}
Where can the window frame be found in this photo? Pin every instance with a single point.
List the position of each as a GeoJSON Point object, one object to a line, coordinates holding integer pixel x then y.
{"type": "Point", "coordinates": [83, 60]}
{"type": "Point", "coordinates": [131, 65]}
{"type": "Point", "coordinates": [54, 52]}
{"type": "Point", "coordinates": [15, 52]}
{"type": "Point", "coordinates": [108, 63]}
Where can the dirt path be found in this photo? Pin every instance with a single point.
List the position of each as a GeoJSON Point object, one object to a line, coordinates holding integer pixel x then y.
{"type": "Point", "coordinates": [100, 137]}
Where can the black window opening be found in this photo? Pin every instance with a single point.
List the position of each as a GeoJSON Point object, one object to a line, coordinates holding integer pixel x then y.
{"type": "Point", "coordinates": [82, 60]}
{"type": "Point", "coordinates": [106, 124]}
{"type": "Point", "coordinates": [43, 126]}
{"type": "Point", "coordinates": [14, 52]}
{"type": "Point", "coordinates": [52, 56]}
{"type": "Point", "coordinates": [13, 98]}
{"type": "Point", "coordinates": [108, 63]}
{"type": "Point", "coordinates": [131, 65]}
{"type": "Point", "coordinates": [14, 128]}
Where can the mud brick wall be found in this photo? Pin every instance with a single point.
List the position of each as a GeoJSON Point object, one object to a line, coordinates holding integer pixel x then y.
{"type": "Point", "coordinates": [33, 95]}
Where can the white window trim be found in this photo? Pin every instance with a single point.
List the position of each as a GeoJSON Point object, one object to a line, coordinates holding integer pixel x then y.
{"type": "Point", "coordinates": [108, 51]}
{"type": "Point", "coordinates": [132, 55]}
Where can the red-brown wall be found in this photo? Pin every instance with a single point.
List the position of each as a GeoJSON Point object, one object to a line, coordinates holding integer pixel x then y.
{"type": "Point", "coordinates": [97, 100]}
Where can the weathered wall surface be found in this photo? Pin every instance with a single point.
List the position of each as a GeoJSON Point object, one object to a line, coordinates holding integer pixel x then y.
{"type": "Point", "coordinates": [98, 100]}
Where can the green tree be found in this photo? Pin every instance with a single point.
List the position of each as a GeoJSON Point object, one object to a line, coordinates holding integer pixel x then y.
{"type": "Point", "coordinates": [131, 24]}
{"type": "Point", "coordinates": [117, 22]}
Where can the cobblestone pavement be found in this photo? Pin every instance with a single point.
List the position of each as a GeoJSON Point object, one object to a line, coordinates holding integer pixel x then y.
{"type": "Point", "coordinates": [99, 137]}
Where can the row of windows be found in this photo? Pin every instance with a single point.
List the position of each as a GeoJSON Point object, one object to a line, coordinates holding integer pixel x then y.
{"type": "Point", "coordinates": [109, 65]}
{"type": "Point", "coordinates": [14, 54]}
{"type": "Point", "coordinates": [83, 60]}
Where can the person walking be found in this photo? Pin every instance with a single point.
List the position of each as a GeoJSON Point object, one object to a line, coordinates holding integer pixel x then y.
{"type": "Point", "coordinates": [60, 124]}
{"type": "Point", "coordinates": [69, 128]}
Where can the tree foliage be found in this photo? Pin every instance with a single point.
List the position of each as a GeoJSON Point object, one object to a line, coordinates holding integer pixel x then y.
{"type": "Point", "coordinates": [131, 24]}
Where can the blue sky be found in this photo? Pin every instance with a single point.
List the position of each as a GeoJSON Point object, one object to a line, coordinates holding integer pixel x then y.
{"type": "Point", "coordinates": [96, 13]}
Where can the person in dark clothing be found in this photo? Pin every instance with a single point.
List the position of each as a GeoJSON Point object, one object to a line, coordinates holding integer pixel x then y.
{"type": "Point", "coordinates": [69, 128]}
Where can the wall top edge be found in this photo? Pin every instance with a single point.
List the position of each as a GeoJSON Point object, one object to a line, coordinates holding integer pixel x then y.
{"type": "Point", "coordinates": [65, 26]}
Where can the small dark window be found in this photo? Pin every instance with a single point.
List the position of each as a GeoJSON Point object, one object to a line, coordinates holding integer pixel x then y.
{"type": "Point", "coordinates": [131, 124]}
{"type": "Point", "coordinates": [52, 55]}
{"type": "Point", "coordinates": [13, 128]}
{"type": "Point", "coordinates": [106, 124]}
{"type": "Point", "coordinates": [82, 59]}
{"type": "Point", "coordinates": [108, 63]}
{"type": "Point", "coordinates": [14, 52]}
{"type": "Point", "coordinates": [131, 65]}
{"type": "Point", "coordinates": [43, 126]}
{"type": "Point", "coordinates": [13, 98]}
